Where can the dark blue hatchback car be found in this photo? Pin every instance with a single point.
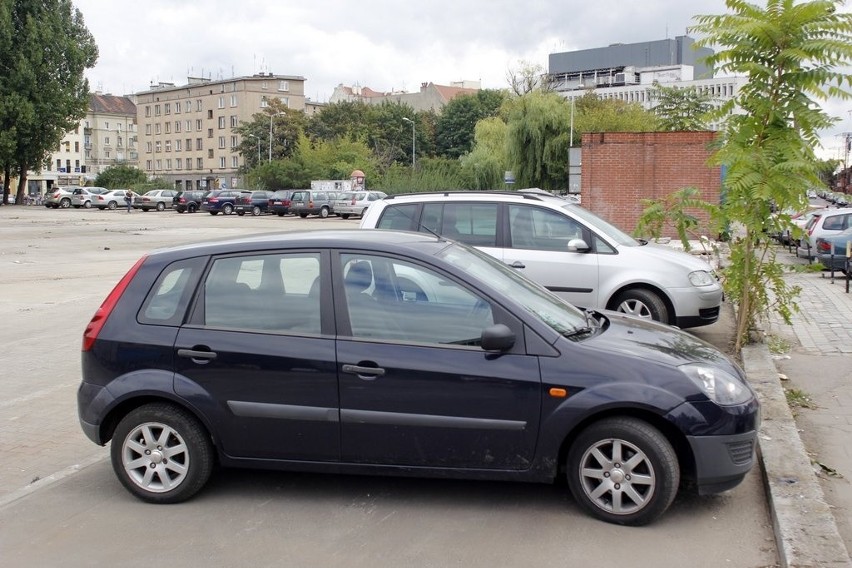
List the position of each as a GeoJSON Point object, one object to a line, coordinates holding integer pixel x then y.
{"type": "Point", "coordinates": [400, 353]}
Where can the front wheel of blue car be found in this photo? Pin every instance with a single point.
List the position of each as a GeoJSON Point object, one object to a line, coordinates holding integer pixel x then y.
{"type": "Point", "coordinates": [623, 470]}
{"type": "Point", "coordinates": [161, 453]}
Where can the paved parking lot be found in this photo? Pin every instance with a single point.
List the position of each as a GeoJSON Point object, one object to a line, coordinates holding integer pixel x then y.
{"type": "Point", "coordinates": [61, 504]}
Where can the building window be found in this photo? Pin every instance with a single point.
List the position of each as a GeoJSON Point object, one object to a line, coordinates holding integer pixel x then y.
{"type": "Point", "coordinates": [222, 162]}
{"type": "Point", "coordinates": [264, 85]}
{"type": "Point", "coordinates": [188, 144]}
{"type": "Point", "coordinates": [189, 163]}
{"type": "Point", "coordinates": [199, 105]}
{"type": "Point", "coordinates": [222, 100]}
{"type": "Point", "coordinates": [210, 153]}
{"type": "Point", "coordinates": [148, 147]}
{"type": "Point", "coordinates": [233, 100]}
{"type": "Point", "coordinates": [148, 113]}
{"type": "Point", "coordinates": [178, 146]}
{"type": "Point", "coordinates": [106, 142]}
{"type": "Point", "coordinates": [283, 85]}
{"type": "Point", "coordinates": [158, 146]}
{"type": "Point", "coordinates": [156, 110]}
{"type": "Point", "coordinates": [235, 162]}
{"type": "Point", "coordinates": [157, 128]}
{"type": "Point", "coordinates": [148, 165]}
{"type": "Point", "coordinates": [168, 109]}
{"type": "Point", "coordinates": [177, 125]}
{"type": "Point", "coordinates": [148, 129]}
{"type": "Point", "coordinates": [263, 102]}
{"type": "Point", "coordinates": [234, 121]}
{"type": "Point", "coordinates": [285, 101]}
{"type": "Point", "coordinates": [188, 106]}
{"type": "Point", "coordinates": [118, 141]}
{"type": "Point", "coordinates": [199, 144]}
{"type": "Point", "coordinates": [76, 147]}
{"type": "Point", "coordinates": [168, 128]}
{"type": "Point", "coordinates": [188, 126]}
{"type": "Point", "coordinates": [198, 125]}
{"type": "Point", "coordinates": [178, 163]}
{"type": "Point", "coordinates": [106, 125]}
{"type": "Point", "coordinates": [222, 142]}
{"type": "Point", "coordinates": [106, 154]}
{"type": "Point", "coordinates": [221, 122]}
{"type": "Point", "coordinates": [233, 142]}
{"type": "Point", "coordinates": [209, 133]}
{"type": "Point", "coordinates": [199, 163]}
{"type": "Point", "coordinates": [159, 165]}
{"type": "Point", "coordinates": [58, 165]}
{"type": "Point", "coordinates": [168, 145]}
{"type": "Point", "coordinates": [177, 110]}
{"type": "Point", "coordinates": [210, 114]}
{"type": "Point", "coordinates": [168, 163]}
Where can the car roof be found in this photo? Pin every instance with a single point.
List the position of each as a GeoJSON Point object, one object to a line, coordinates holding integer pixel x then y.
{"type": "Point", "coordinates": [533, 194]}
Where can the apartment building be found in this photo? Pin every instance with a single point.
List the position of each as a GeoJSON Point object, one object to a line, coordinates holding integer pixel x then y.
{"type": "Point", "coordinates": [430, 97]}
{"type": "Point", "coordinates": [186, 133]}
{"type": "Point", "coordinates": [105, 137]}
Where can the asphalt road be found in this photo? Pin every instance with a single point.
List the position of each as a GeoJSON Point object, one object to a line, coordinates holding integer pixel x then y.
{"type": "Point", "coordinates": [60, 503]}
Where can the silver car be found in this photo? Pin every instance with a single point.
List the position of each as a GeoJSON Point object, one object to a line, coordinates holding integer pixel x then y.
{"type": "Point", "coordinates": [355, 202]}
{"type": "Point", "coordinates": [59, 197]}
{"type": "Point", "coordinates": [569, 250]}
{"type": "Point", "coordinates": [824, 223]}
{"type": "Point", "coordinates": [159, 199]}
{"type": "Point", "coordinates": [85, 196]}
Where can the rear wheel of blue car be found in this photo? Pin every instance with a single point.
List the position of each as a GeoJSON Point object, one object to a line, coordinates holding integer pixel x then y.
{"type": "Point", "coordinates": [161, 453]}
{"type": "Point", "coordinates": [623, 470]}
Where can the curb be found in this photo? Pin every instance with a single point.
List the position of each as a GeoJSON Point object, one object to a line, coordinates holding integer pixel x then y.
{"type": "Point", "coordinates": [806, 534]}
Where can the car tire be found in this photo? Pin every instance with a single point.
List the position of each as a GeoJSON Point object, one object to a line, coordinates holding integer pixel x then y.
{"type": "Point", "coordinates": [303, 215]}
{"type": "Point", "coordinates": [161, 453]}
{"type": "Point", "coordinates": [161, 206]}
{"type": "Point", "coordinates": [255, 210]}
{"type": "Point", "coordinates": [643, 304]}
{"type": "Point", "coordinates": [65, 203]}
{"type": "Point", "coordinates": [75, 206]}
{"type": "Point", "coordinates": [112, 205]}
{"type": "Point", "coordinates": [87, 205]}
{"type": "Point", "coordinates": [323, 212]}
{"type": "Point", "coordinates": [191, 208]}
{"type": "Point", "coordinates": [632, 462]}
{"type": "Point", "coordinates": [280, 214]}
{"type": "Point", "coordinates": [214, 212]}
{"type": "Point", "coordinates": [344, 215]}
{"type": "Point", "coordinates": [227, 209]}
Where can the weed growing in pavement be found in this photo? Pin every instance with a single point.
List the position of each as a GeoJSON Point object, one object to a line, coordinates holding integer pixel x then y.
{"type": "Point", "coordinates": [777, 345]}
{"type": "Point", "coordinates": [797, 398]}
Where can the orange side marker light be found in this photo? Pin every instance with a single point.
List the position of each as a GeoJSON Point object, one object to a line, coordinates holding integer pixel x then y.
{"type": "Point", "coordinates": [558, 393]}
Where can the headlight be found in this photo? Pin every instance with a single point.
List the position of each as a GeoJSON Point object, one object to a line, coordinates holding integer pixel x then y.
{"type": "Point", "coordinates": [720, 386]}
{"type": "Point", "coordinates": [701, 278]}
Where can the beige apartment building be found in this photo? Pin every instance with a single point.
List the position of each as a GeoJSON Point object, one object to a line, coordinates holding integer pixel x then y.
{"type": "Point", "coordinates": [186, 133]}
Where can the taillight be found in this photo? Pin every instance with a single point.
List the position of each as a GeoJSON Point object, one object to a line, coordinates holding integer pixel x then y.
{"type": "Point", "coordinates": [353, 201]}
{"type": "Point", "coordinates": [823, 246]}
{"type": "Point", "coordinates": [311, 204]}
{"type": "Point", "coordinates": [103, 312]}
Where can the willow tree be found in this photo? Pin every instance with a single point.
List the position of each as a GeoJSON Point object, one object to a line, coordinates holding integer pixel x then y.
{"type": "Point", "coordinates": [792, 53]}
{"type": "Point", "coordinates": [537, 140]}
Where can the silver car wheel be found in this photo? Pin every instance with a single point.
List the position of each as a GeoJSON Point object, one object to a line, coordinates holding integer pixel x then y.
{"type": "Point", "coordinates": [617, 476]}
{"type": "Point", "coordinates": [636, 308]}
{"type": "Point", "coordinates": [155, 457]}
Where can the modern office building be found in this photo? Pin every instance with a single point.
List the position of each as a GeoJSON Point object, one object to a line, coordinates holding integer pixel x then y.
{"type": "Point", "coordinates": [186, 133]}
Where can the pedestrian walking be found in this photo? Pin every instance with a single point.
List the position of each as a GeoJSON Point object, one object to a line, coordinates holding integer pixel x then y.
{"type": "Point", "coordinates": [128, 199]}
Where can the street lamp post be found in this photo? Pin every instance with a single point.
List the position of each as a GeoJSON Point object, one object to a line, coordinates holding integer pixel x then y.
{"type": "Point", "coordinates": [413, 138]}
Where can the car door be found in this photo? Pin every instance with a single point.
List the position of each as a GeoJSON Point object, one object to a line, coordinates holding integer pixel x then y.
{"type": "Point", "coordinates": [255, 353]}
{"type": "Point", "coordinates": [537, 246]}
{"type": "Point", "coordinates": [415, 388]}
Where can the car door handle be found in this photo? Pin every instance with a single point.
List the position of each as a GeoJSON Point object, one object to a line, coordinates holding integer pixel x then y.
{"type": "Point", "coordinates": [195, 354]}
{"type": "Point", "coordinates": [367, 373]}
{"type": "Point", "coordinates": [518, 264]}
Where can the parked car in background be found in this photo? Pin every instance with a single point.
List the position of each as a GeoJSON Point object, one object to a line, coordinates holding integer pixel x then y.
{"type": "Point", "coordinates": [85, 196]}
{"type": "Point", "coordinates": [254, 202]}
{"type": "Point", "coordinates": [824, 223]}
{"type": "Point", "coordinates": [59, 197]}
{"type": "Point", "coordinates": [396, 353]}
{"type": "Point", "coordinates": [306, 202]}
{"type": "Point", "coordinates": [279, 203]}
{"type": "Point", "coordinates": [572, 252]}
{"type": "Point", "coordinates": [188, 201]}
{"type": "Point", "coordinates": [159, 199]}
{"type": "Point", "coordinates": [831, 250]}
{"type": "Point", "coordinates": [220, 201]}
{"type": "Point", "coordinates": [111, 199]}
{"type": "Point", "coordinates": [355, 202]}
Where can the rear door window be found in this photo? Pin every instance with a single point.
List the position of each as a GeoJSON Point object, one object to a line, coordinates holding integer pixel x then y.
{"type": "Point", "coordinates": [170, 296]}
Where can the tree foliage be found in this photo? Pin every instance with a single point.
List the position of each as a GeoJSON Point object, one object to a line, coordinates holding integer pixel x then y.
{"type": "Point", "coordinates": [484, 166]}
{"type": "Point", "coordinates": [120, 176]}
{"type": "Point", "coordinates": [793, 54]}
{"type": "Point", "coordinates": [594, 114]}
{"type": "Point", "coordinates": [527, 77]}
{"type": "Point", "coordinates": [286, 127]}
{"type": "Point", "coordinates": [681, 109]}
{"type": "Point", "coordinates": [537, 140]}
{"type": "Point", "coordinates": [44, 48]}
{"type": "Point", "coordinates": [454, 132]}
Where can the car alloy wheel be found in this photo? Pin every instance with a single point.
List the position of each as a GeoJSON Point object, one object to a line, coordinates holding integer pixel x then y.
{"type": "Point", "coordinates": [65, 203]}
{"type": "Point", "coordinates": [255, 210]}
{"type": "Point", "coordinates": [161, 453]}
{"type": "Point", "coordinates": [643, 304]}
{"type": "Point", "coordinates": [227, 209]}
{"type": "Point", "coordinates": [87, 204]}
{"type": "Point", "coordinates": [623, 470]}
{"type": "Point", "coordinates": [191, 208]}
{"type": "Point", "coordinates": [323, 212]}
{"type": "Point", "coordinates": [160, 206]}
{"type": "Point", "coordinates": [112, 205]}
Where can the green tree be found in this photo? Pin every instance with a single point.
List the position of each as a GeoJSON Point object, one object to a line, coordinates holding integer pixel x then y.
{"type": "Point", "coordinates": [484, 166]}
{"type": "Point", "coordinates": [345, 119]}
{"type": "Point", "coordinates": [389, 136]}
{"type": "Point", "coordinates": [793, 53]}
{"type": "Point", "coordinates": [45, 49]}
{"type": "Point", "coordinates": [119, 176]}
{"type": "Point", "coordinates": [455, 129]}
{"type": "Point", "coordinates": [284, 124]}
{"type": "Point", "coordinates": [681, 109]}
{"type": "Point", "coordinates": [594, 114]}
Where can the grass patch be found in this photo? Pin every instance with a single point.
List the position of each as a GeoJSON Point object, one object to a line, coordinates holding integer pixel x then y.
{"type": "Point", "coordinates": [777, 345]}
{"type": "Point", "coordinates": [797, 398]}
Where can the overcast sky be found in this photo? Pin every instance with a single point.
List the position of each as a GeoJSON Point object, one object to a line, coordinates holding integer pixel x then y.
{"type": "Point", "coordinates": [379, 44]}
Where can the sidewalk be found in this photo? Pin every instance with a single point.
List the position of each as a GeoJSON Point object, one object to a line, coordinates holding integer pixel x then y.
{"type": "Point", "coordinates": [808, 463]}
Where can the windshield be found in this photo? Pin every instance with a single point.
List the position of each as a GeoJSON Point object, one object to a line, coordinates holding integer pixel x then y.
{"type": "Point", "coordinates": [602, 226]}
{"type": "Point", "coordinates": [559, 315]}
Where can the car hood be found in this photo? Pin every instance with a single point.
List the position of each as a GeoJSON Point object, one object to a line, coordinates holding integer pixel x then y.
{"type": "Point", "coordinates": [669, 254]}
{"type": "Point", "coordinates": [663, 344]}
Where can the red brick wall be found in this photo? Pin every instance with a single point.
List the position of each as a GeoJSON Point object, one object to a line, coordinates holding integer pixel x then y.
{"type": "Point", "coordinates": [622, 168]}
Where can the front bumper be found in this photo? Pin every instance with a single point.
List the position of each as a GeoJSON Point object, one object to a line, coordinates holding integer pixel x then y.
{"type": "Point", "coordinates": [721, 462]}
{"type": "Point", "coordinates": [696, 305]}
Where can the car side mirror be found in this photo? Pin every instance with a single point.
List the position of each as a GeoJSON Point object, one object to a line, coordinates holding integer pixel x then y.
{"type": "Point", "coordinates": [497, 337]}
{"type": "Point", "coordinates": [578, 245]}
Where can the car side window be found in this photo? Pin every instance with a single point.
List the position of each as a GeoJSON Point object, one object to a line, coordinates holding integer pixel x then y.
{"type": "Point", "coordinates": [169, 297]}
{"type": "Point", "coordinates": [834, 223]}
{"type": "Point", "coordinates": [396, 300]}
{"type": "Point", "coordinates": [271, 293]}
{"type": "Point", "coordinates": [470, 223]}
{"type": "Point", "coordinates": [398, 218]}
{"type": "Point", "coordinates": [541, 229]}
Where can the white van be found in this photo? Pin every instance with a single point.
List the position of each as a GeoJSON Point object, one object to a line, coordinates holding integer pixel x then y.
{"type": "Point", "coordinates": [567, 249]}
